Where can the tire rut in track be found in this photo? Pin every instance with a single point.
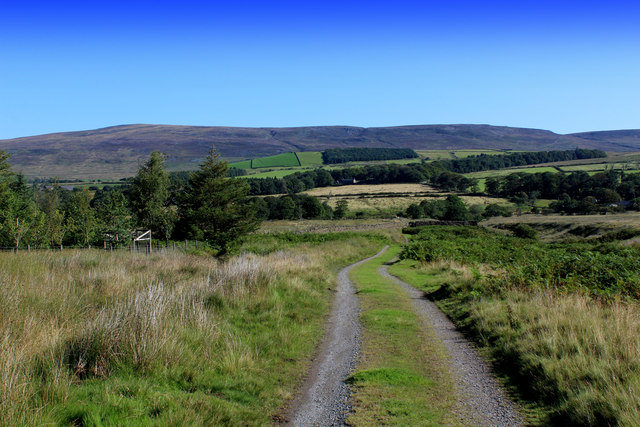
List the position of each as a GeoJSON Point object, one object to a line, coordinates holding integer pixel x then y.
{"type": "Point", "coordinates": [481, 401]}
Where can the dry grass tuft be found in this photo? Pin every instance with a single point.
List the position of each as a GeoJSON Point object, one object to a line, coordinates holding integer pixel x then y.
{"type": "Point", "coordinates": [72, 321]}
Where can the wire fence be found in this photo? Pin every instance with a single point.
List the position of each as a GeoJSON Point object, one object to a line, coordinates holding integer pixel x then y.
{"type": "Point", "coordinates": [145, 247]}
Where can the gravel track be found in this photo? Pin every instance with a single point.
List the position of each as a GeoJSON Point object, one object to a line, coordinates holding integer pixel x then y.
{"type": "Point", "coordinates": [324, 397]}
{"type": "Point", "coordinates": [481, 400]}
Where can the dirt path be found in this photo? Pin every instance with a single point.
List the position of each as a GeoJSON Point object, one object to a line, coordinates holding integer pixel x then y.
{"type": "Point", "coordinates": [481, 401]}
{"type": "Point", "coordinates": [324, 397]}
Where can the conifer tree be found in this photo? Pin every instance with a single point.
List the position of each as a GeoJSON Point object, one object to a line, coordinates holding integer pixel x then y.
{"type": "Point", "coordinates": [214, 207]}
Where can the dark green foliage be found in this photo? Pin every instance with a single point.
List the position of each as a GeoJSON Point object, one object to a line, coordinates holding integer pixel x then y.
{"type": "Point", "coordinates": [455, 209]}
{"type": "Point", "coordinates": [232, 172]}
{"type": "Point", "coordinates": [114, 218]}
{"type": "Point", "coordinates": [495, 209]}
{"type": "Point", "coordinates": [524, 231]}
{"type": "Point", "coordinates": [450, 209]}
{"type": "Point", "coordinates": [344, 155]}
{"type": "Point", "coordinates": [577, 192]}
{"type": "Point", "coordinates": [149, 197]}
{"type": "Point", "coordinates": [80, 220]}
{"type": "Point", "coordinates": [414, 211]}
{"type": "Point", "coordinates": [370, 174]}
{"type": "Point", "coordinates": [215, 208]}
{"type": "Point", "coordinates": [342, 207]}
{"type": "Point", "coordinates": [295, 206]}
{"type": "Point", "coordinates": [589, 267]}
{"type": "Point", "coordinates": [485, 162]}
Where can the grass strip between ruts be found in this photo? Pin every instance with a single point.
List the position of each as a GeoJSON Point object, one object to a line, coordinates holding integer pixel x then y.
{"type": "Point", "coordinates": [400, 379]}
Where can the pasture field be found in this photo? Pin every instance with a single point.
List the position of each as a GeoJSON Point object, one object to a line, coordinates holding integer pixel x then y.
{"type": "Point", "coordinates": [370, 189]}
{"type": "Point", "coordinates": [504, 172]}
{"type": "Point", "coordinates": [395, 204]}
{"type": "Point", "coordinates": [384, 225]}
{"type": "Point", "coordinates": [279, 160]}
{"type": "Point", "coordinates": [310, 158]}
{"type": "Point", "coordinates": [97, 338]}
{"type": "Point", "coordinates": [245, 164]}
{"type": "Point", "coordinates": [599, 167]}
{"type": "Point", "coordinates": [390, 199]}
{"type": "Point", "coordinates": [302, 160]}
{"type": "Point", "coordinates": [274, 173]}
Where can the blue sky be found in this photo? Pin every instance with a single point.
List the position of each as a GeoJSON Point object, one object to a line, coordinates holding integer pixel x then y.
{"type": "Point", "coordinates": [566, 66]}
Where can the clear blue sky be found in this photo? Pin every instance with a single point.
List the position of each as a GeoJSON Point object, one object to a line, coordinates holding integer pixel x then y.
{"type": "Point", "coordinates": [566, 66]}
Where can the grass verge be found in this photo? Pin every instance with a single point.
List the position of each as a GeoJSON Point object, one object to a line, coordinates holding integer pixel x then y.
{"type": "Point", "coordinates": [576, 360]}
{"type": "Point", "coordinates": [399, 380]}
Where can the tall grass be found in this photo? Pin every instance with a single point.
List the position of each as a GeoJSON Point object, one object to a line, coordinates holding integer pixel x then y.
{"type": "Point", "coordinates": [566, 347]}
{"type": "Point", "coordinates": [171, 338]}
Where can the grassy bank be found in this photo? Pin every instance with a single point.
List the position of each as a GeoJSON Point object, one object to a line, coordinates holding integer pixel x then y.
{"type": "Point", "coordinates": [92, 338]}
{"type": "Point", "coordinates": [399, 380]}
{"type": "Point", "coordinates": [560, 320]}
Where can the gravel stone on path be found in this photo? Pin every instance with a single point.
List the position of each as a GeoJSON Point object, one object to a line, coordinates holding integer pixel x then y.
{"type": "Point", "coordinates": [324, 397]}
{"type": "Point", "coordinates": [481, 400]}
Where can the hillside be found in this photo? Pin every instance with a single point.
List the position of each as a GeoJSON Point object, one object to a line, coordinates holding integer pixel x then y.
{"type": "Point", "coordinates": [116, 151]}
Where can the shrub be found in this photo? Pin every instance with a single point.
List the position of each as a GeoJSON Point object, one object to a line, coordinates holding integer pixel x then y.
{"type": "Point", "coordinates": [524, 231]}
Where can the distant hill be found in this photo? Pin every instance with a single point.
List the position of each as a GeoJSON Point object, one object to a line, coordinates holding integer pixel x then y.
{"type": "Point", "coordinates": [116, 151]}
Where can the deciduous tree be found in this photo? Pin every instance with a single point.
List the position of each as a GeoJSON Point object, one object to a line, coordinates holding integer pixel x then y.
{"type": "Point", "coordinates": [149, 197]}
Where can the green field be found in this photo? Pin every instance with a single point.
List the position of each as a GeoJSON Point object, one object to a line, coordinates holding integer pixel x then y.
{"type": "Point", "coordinates": [282, 160]}
{"type": "Point", "coordinates": [310, 158]}
{"type": "Point", "coordinates": [599, 167]}
{"type": "Point", "coordinates": [503, 172]}
{"type": "Point", "coordinates": [278, 173]}
{"type": "Point", "coordinates": [307, 158]}
{"type": "Point", "coordinates": [245, 164]}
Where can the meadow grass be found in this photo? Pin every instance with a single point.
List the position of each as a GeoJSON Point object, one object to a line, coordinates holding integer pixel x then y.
{"type": "Point", "coordinates": [275, 173]}
{"type": "Point", "coordinates": [370, 189]}
{"type": "Point", "coordinates": [283, 160]}
{"type": "Point", "coordinates": [94, 338]}
{"type": "Point", "coordinates": [400, 379]}
{"type": "Point", "coordinates": [629, 166]}
{"type": "Point", "coordinates": [244, 164]}
{"type": "Point", "coordinates": [575, 359]}
{"type": "Point", "coordinates": [310, 158]}
{"type": "Point", "coordinates": [393, 203]}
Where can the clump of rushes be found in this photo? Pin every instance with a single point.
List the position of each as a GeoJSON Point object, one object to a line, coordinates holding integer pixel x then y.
{"type": "Point", "coordinates": [90, 337]}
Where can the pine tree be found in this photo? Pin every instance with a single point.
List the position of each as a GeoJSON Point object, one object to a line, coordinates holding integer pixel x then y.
{"type": "Point", "coordinates": [214, 208]}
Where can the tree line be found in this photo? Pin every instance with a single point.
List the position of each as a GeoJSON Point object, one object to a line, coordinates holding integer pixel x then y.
{"type": "Point", "coordinates": [577, 192]}
{"type": "Point", "coordinates": [453, 208]}
{"type": "Point", "coordinates": [443, 174]}
{"type": "Point", "coordinates": [344, 155]}
{"type": "Point", "coordinates": [485, 162]}
{"type": "Point", "coordinates": [203, 205]}
{"type": "Point", "coordinates": [370, 174]}
{"type": "Point", "coordinates": [297, 206]}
